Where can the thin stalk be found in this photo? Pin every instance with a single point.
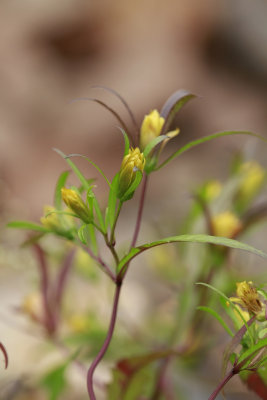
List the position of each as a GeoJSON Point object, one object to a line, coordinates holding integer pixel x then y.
{"type": "Point", "coordinates": [140, 211]}
{"type": "Point", "coordinates": [105, 344]}
{"type": "Point", "coordinates": [62, 278]}
{"type": "Point", "coordinates": [112, 234]}
{"type": "Point", "coordinates": [45, 283]}
{"type": "Point", "coordinates": [222, 384]}
{"type": "Point", "coordinates": [101, 262]}
{"type": "Point", "coordinates": [160, 379]}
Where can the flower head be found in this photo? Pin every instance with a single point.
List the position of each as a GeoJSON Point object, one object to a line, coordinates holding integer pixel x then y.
{"type": "Point", "coordinates": [51, 220]}
{"type": "Point", "coordinates": [75, 203]}
{"type": "Point", "coordinates": [152, 127]}
{"type": "Point", "coordinates": [226, 224]}
{"type": "Point", "coordinates": [248, 297]}
{"type": "Point", "coordinates": [212, 189]}
{"type": "Point", "coordinates": [131, 163]}
{"type": "Point", "coordinates": [253, 176]}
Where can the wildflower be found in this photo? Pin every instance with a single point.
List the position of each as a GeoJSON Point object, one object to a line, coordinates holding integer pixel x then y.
{"type": "Point", "coordinates": [253, 177]}
{"type": "Point", "coordinates": [133, 161]}
{"type": "Point", "coordinates": [74, 201]}
{"type": "Point", "coordinates": [248, 297]}
{"type": "Point", "coordinates": [79, 323]}
{"type": "Point", "coordinates": [226, 224]}
{"type": "Point", "coordinates": [32, 306]}
{"type": "Point", "coordinates": [51, 220]}
{"type": "Point", "coordinates": [151, 128]}
{"type": "Point", "coordinates": [212, 190]}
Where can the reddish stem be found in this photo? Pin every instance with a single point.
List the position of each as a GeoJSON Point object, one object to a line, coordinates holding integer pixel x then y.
{"type": "Point", "coordinates": [221, 385]}
{"type": "Point", "coordinates": [3, 349]}
{"type": "Point", "coordinates": [140, 211]}
{"type": "Point", "coordinates": [62, 278]}
{"type": "Point", "coordinates": [105, 344]}
{"type": "Point", "coordinates": [45, 283]}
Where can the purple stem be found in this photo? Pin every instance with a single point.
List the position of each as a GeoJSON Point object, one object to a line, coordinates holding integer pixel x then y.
{"type": "Point", "coordinates": [118, 282]}
{"type": "Point", "coordinates": [3, 349]}
{"type": "Point", "coordinates": [104, 266]}
{"type": "Point", "coordinates": [62, 278]}
{"type": "Point", "coordinates": [140, 211]}
{"type": "Point", "coordinates": [222, 384]}
{"type": "Point", "coordinates": [105, 344]}
{"type": "Point", "coordinates": [49, 317]}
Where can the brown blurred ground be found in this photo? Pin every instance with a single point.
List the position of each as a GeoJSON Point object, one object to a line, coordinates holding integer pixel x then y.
{"type": "Point", "coordinates": [52, 52]}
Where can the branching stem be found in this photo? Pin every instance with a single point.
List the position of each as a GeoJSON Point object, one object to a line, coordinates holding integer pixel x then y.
{"type": "Point", "coordinates": [140, 211]}
{"type": "Point", "coordinates": [105, 344]}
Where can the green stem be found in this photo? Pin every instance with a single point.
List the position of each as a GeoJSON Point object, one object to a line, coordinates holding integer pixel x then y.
{"type": "Point", "coordinates": [112, 234]}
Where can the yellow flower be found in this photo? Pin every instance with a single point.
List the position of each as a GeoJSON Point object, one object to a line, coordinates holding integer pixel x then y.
{"type": "Point", "coordinates": [74, 201]}
{"type": "Point", "coordinates": [151, 128]}
{"type": "Point", "coordinates": [212, 190]}
{"type": "Point", "coordinates": [51, 221]}
{"type": "Point", "coordinates": [253, 177]}
{"type": "Point", "coordinates": [248, 297]}
{"type": "Point", "coordinates": [132, 162]}
{"type": "Point", "coordinates": [226, 224]}
{"type": "Point", "coordinates": [32, 305]}
{"type": "Point", "coordinates": [79, 323]}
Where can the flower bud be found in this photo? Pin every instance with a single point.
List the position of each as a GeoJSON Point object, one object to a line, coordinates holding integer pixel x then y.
{"type": "Point", "coordinates": [151, 128]}
{"type": "Point", "coordinates": [226, 224]}
{"type": "Point", "coordinates": [75, 203]}
{"type": "Point", "coordinates": [132, 162]}
{"type": "Point", "coordinates": [249, 297]}
{"type": "Point", "coordinates": [52, 220]}
{"type": "Point", "coordinates": [253, 176]}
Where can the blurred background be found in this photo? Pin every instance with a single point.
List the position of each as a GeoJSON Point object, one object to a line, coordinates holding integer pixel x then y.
{"type": "Point", "coordinates": [53, 52]}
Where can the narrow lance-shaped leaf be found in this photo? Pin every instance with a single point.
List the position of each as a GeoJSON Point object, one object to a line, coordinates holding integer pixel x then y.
{"type": "Point", "coordinates": [28, 225]}
{"type": "Point", "coordinates": [112, 201]}
{"type": "Point", "coordinates": [75, 169]}
{"type": "Point", "coordinates": [172, 105]}
{"type": "Point", "coordinates": [218, 317]}
{"type": "Point", "coordinates": [237, 338]}
{"type": "Point", "coordinates": [121, 99]}
{"type": "Point", "coordinates": [126, 141]}
{"type": "Point", "coordinates": [252, 351]}
{"type": "Point", "coordinates": [153, 143]}
{"type": "Point", "coordinates": [113, 112]}
{"type": "Point", "coordinates": [188, 238]}
{"type": "Point", "coordinates": [60, 184]}
{"type": "Point", "coordinates": [92, 163]}
{"type": "Point", "coordinates": [204, 139]}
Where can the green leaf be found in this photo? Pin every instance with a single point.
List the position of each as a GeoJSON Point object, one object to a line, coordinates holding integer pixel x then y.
{"type": "Point", "coordinates": [81, 234]}
{"type": "Point", "coordinates": [173, 104]}
{"type": "Point", "coordinates": [188, 238]}
{"type": "Point", "coordinates": [112, 201]}
{"type": "Point", "coordinates": [60, 184]}
{"type": "Point", "coordinates": [253, 350]}
{"type": "Point", "coordinates": [150, 146]}
{"type": "Point", "coordinates": [75, 169]}
{"type": "Point", "coordinates": [206, 139]}
{"type": "Point", "coordinates": [126, 142]}
{"type": "Point", "coordinates": [92, 236]}
{"type": "Point", "coordinates": [218, 317]}
{"type": "Point", "coordinates": [55, 382]}
{"type": "Point", "coordinates": [99, 214]}
{"type": "Point", "coordinates": [28, 225]}
{"type": "Point", "coordinates": [232, 304]}
{"type": "Point", "coordinates": [130, 191]}
{"type": "Point", "coordinates": [92, 163]}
